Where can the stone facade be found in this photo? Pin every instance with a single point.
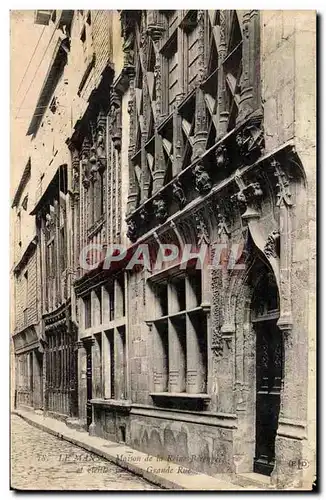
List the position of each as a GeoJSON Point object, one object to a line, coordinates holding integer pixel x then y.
{"type": "Point", "coordinates": [197, 129]}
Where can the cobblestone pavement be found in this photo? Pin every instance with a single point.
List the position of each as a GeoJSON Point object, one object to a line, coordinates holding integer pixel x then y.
{"type": "Point", "coordinates": [45, 462]}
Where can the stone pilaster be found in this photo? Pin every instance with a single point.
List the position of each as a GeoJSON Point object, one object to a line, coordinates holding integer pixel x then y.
{"type": "Point", "coordinates": [250, 79]}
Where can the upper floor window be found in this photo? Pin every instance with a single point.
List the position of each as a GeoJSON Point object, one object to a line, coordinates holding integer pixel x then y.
{"type": "Point", "coordinates": [86, 37]}
{"type": "Point", "coordinates": [170, 72]}
{"type": "Point", "coordinates": [232, 67]}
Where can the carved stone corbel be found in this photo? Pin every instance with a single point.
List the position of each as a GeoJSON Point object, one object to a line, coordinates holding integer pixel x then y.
{"type": "Point", "coordinates": [249, 196]}
{"type": "Point", "coordinates": [203, 182]}
{"type": "Point", "coordinates": [143, 215]}
{"type": "Point", "coordinates": [160, 209]}
{"type": "Point", "coordinates": [132, 231]}
{"type": "Point", "coordinates": [222, 157]}
{"type": "Point", "coordinates": [155, 28]}
{"type": "Point", "coordinates": [250, 140]}
{"type": "Point", "coordinates": [178, 194]}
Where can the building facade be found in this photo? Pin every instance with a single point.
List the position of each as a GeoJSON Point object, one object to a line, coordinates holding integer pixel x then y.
{"type": "Point", "coordinates": [188, 146]}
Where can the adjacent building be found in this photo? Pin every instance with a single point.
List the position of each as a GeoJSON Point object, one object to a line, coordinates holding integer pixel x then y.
{"type": "Point", "coordinates": [191, 132]}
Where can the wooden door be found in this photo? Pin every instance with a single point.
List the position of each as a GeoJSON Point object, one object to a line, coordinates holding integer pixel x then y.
{"type": "Point", "coordinates": [269, 361]}
{"type": "Point", "coordinates": [89, 384]}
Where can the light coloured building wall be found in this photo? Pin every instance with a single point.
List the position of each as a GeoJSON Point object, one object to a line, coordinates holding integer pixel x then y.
{"type": "Point", "coordinates": [288, 63]}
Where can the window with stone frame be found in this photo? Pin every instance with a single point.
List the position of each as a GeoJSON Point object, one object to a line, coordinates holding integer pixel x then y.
{"type": "Point", "coordinates": [86, 36]}
{"type": "Point", "coordinates": [180, 334]}
{"type": "Point", "coordinates": [190, 27]}
{"type": "Point", "coordinates": [104, 312]}
{"type": "Point", "coordinates": [94, 158]}
{"type": "Point", "coordinates": [166, 70]}
{"type": "Point", "coordinates": [170, 73]}
{"type": "Point", "coordinates": [232, 67]}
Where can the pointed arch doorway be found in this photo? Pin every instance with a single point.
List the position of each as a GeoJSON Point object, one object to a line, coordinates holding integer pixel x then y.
{"type": "Point", "coordinates": [269, 370]}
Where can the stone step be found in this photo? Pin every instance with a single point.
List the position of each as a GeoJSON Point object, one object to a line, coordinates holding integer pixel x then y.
{"type": "Point", "coordinates": [253, 480]}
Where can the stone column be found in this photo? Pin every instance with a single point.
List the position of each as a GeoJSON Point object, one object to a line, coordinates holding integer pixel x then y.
{"type": "Point", "coordinates": [291, 432]}
{"type": "Point", "coordinates": [119, 347]}
{"type": "Point", "coordinates": [250, 79]}
{"type": "Point", "coordinates": [133, 189]}
{"type": "Point", "coordinates": [222, 97]}
{"type": "Point", "coordinates": [82, 391]}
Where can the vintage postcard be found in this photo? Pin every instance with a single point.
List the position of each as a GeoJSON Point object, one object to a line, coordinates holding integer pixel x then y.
{"type": "Point", "coordinates": [163, 250]}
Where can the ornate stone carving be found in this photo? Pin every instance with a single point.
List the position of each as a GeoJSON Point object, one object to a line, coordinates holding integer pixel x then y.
{"type": "Point", "coordinates": [222, 227]}
{"type": "Point", "coordinates": [272, 244]}
{"type": "Point", "coordinates": [201, 229]}
{"type": "Point", "coordinates": [222, 157]}
{"type": "Point", "coordinates": [155, 29]}
{"type": "Point", "coordinates": [178, 194]}
{"type": "Point", "coordinates": [132, 231]}
{"type": "Point", "coordinates": [283, 193]}
{"type": "Point", "coordinates": [93, 162]}
{"type": "Point", "coordinates": [49, 222]}
{"type": "Point", "coordinates": [250, 140]}
{"type": "Point", "coordinates": [115, 119]}
{"type": "Point", "coordinates": [203, 182]}
{"type": "Point", "coordinates": [160, 209]}
{"type": "Point", "coordinates": [75, 171]}
{"type": "Point", "coordinates": [201, 45]}
{"type": "Point", "coordinates": [85, 165]}
{"type": "Point", "coordinates": [128, 19]}
{"type": "Point", "coordinates": [249, 197]}
{"type": "Point", "coordinates": [217, 342]}
{"type": "Point", "coordinates": [143, 215]}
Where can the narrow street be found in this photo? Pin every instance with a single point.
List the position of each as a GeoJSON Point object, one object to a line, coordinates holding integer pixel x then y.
{"type": "Point", "coordinates": [40, 461]}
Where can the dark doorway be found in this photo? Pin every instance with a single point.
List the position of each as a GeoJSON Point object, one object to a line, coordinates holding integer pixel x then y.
{"type": "Point", "coordinates": [31, 378]}
{"type": "Point", "coordinates": [89, 383]}
{"type": "Point", "coordinates": [268, 389]}
{"type": "Point", "coordinates": [269, 367]}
